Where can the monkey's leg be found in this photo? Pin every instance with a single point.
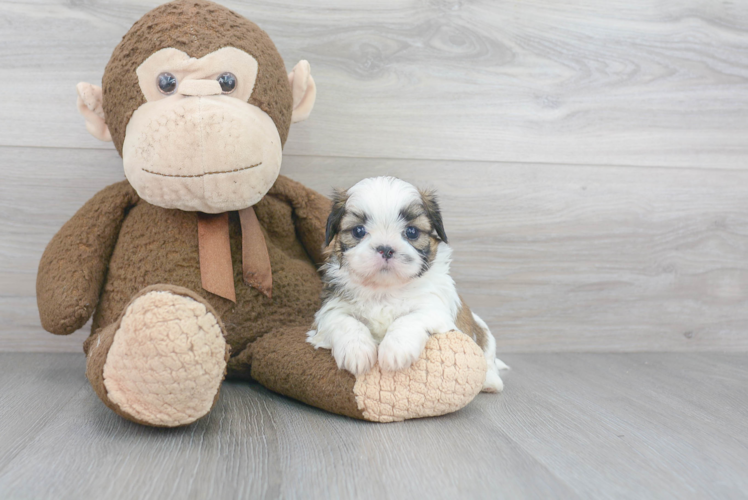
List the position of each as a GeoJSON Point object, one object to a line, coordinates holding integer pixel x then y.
{"type": "Point", "coordinates": [162, 362]}
{"type": "Point", "coordinates": [447, 376]}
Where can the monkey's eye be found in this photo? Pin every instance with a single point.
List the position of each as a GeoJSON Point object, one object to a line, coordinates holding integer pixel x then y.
{"type": "Point", "coordinates": [358, 232]}
{"type": "Point", "coordinates": [228, 82]}
{"type": "Point", "coordinates": [167, 83]}
{"type": "Point", "coordinates": [412, 232]}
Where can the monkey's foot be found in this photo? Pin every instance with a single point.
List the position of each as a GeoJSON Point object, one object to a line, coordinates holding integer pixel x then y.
{"type": "Point", "coordinates": [163, 362]}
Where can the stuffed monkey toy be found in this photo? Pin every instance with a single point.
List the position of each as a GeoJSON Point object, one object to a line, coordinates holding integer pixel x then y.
{"type": "Point", "coordinates": [203, 263]}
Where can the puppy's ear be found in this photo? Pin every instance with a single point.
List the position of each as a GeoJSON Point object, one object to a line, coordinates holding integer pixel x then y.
{"type": "Point", "coordinates": [431, 206]}
{"type": "Point", "coordinates": [339, 197]}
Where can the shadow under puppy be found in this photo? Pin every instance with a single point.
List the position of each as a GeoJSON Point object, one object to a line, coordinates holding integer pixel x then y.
{"type": "Point", "coordinates": [386, 281]}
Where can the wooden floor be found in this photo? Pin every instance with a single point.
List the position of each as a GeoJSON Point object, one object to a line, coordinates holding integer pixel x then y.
{"type": "Point", "coordinates": [567, 426]}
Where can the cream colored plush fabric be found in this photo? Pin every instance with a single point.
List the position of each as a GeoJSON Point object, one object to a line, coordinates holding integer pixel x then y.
{"type": "Point", "coordinates": [304, 91]}
{"type": "Point", "coordinates": [167, 360]}
{"type": "Point", "coordinates": [451, 371]}
{"type": "Point", "coordinates": [90, 106]}
{"type": "Point", "coordinates": [209, 154]}
{"type": "Point", "coordinates": [197, 149]}
{"type": "Point", "coordinates": [209, 67]}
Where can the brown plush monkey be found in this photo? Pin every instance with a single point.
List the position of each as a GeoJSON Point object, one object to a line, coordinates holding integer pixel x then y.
{"type": "Point", "coordinates": [202, 263]}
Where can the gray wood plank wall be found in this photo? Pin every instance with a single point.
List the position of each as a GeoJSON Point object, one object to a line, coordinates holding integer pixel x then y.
{"type": "Point", "coordinates": [592, 156]}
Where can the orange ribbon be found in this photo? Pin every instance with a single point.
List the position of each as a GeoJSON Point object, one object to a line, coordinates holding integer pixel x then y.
{"type": "Point", "coordinates": [216, 269]}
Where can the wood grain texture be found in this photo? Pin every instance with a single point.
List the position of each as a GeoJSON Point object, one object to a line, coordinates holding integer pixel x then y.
{"type": "Point", "coordinates": [632, 426]}
{"type": "Point", "coordinates": [586, 258]}
{"type": "Point", "coordinates": [556, 256]}
{"type": "Point", "coordinates": [586, 82]}
{"type": "Point", "coordinates": [553, 257]}
{"type": "Point", "coordinates": [33, 390]}
{"type": "Point", "coordinates": [567, 426]}
{"type": "Point", "coordinates": [40, 190]}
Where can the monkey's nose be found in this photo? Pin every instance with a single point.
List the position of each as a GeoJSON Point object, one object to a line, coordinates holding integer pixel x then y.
{"type": "Point", "coordinates": [199, 88]}
{"type": "Point", "coordinates": [386, 252]}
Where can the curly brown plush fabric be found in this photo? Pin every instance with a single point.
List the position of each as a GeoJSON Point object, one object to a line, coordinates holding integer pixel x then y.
{"type": "Point", "coordinates": [446, 377]}
{"type": "Point", "coordinates": [211, 27]}
{"type": "Point", "coordinates": [157, 353]}
{"type": "Point", "coordinates": [74, 265]}
{"type": "Point", "coordinates": [155, 245]}
{"type": "Point", "coordinates": [283, 363]}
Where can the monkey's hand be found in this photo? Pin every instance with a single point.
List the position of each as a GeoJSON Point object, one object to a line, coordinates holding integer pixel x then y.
{"type": "Point", "coordinates": [73, 267]}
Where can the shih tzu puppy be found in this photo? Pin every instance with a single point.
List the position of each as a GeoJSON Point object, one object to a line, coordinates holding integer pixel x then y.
{"type": "Point", "coordinates": [386, 281]}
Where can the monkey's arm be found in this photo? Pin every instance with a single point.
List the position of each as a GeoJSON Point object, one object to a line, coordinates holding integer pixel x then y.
{"type": "Point", "coordinates": [310, 214]}
{"type": "Point", "coordinates": [447, 376]}
{"type": "Point", "coordinates": [74, 264]}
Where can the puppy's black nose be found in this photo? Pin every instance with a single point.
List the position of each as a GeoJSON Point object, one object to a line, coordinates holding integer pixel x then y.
{"type": "Point", "coordinates": [386, 252]}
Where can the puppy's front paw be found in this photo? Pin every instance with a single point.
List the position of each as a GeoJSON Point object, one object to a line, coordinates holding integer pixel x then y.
{"type": "Point", "coordinates": [357, 356]}
{"type": "Point", "coordinates": [400, 349]}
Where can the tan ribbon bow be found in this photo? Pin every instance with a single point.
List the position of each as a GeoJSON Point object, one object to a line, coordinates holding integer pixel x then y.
{"type": "Point", "coordinates": [216, 270]}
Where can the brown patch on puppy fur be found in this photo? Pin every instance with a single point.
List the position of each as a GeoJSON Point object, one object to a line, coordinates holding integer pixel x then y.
{"type": "Point", "coordinates": [340, 224]}
{"type": "Point", "coordinates": [431, 206]}
{"type": "Point", "coordinates": [345, 237]}
{"type": "Point", "coordinates": [339, 199]}
{"type": "Point", "coordinates": [329, 289]}
{"type": "Point", "coordinates": [426, 246]}
{"type": "Point", "coordinates": [466, 324]}
{"type": "Point", "coordinates": [426, 217]}
{"type": "Point", "coordinates": [333, 245]}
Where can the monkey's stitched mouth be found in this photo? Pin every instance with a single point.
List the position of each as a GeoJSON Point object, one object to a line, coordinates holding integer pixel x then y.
{"type": "Point", "coordinates": [206, 173]}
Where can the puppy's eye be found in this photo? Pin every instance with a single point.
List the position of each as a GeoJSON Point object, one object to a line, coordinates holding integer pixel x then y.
{"type": "Point", "coordinates": [358, 232]}
{"type": "Point", "coordinates": [167, 83]}
{"type": "Point", "coordinates": [228, 82]}
{"type": "Point", "coordinates": [412, 233]}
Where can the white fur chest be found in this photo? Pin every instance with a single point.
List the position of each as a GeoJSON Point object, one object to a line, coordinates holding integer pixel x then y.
{"type": "Point", "coordinates": [433, 293]}
{"type": "Point", "coordinates": [378, 315]}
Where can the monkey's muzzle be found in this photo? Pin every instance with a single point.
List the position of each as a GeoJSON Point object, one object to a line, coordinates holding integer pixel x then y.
{"type": "Point", "coordinates": [208, 153]}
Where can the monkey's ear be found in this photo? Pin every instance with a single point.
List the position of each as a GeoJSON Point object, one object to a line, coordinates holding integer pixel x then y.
{"type": "Point", "coordinates": [304, 91]}
{"type": "Point", "coordinates": [339, 199]}
{"type": "Point", "coordinates": [89, 105]}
